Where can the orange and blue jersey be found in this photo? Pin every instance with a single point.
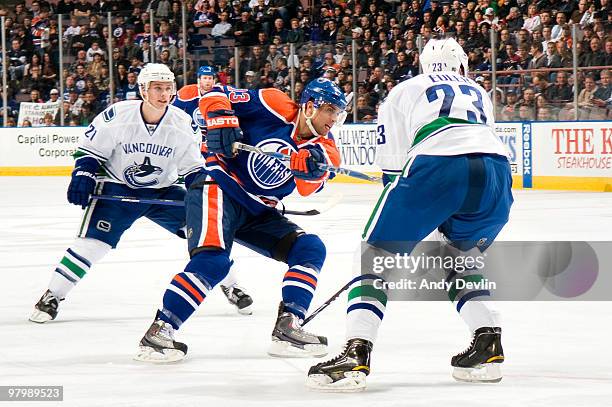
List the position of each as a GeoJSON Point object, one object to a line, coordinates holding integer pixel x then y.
{"type": "Point", "coordinates": [268, 119]}
{"type": "Point", "coordinates": [187, 99]}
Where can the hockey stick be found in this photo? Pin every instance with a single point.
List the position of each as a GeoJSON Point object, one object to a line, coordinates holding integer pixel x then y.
{"type": "Point", "coordinates": [326, 303]}
{"type": "Point", "coordinates": [132, 199]}
{"type": "Point", "coordinates": [325, 167]}
{"type": "Point", "coordinates": [311, 212]}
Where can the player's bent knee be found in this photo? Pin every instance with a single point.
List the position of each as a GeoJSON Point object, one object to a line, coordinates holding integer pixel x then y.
{"type": "Point", "coordinates": [211, 266]}
{"type": "Point", "coordinates": [91, 249]}
{"type": "Point", "coordinates": [307, 250]}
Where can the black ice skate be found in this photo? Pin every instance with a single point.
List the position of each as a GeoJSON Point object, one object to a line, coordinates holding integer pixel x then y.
{"type": "Point", "coordinates": [45, 309]}
{"type": "Point", "coordinates": [290, 340]}
{"type": "Point", "coordinates": [481, 362]}
{"type": "Point", "coordinates": [158, 345]}
{"type": "Point", "coordinates": [346, 372]}
{"type": "Point", "coordinates": [239, 298]}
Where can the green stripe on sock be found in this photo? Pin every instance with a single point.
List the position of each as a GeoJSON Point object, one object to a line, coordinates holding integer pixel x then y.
{"type": "Point", "coordinates": [368, 291]}
{"type": "Point", "coordinates": [473, 278]}
{"type": "Point", "coordinates": [73, 267]}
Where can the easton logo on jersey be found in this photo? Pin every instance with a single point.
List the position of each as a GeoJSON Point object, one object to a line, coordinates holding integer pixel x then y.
{"type": "Point", "coordinates": [268, 172]}
{"type": "Point", "coordinates": [142, 175]}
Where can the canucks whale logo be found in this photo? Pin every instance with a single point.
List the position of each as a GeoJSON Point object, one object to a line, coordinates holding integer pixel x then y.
{"type": "Point", "coordinates": [268, 172]}
{"type": "Point", "coordinates": [142, 175]}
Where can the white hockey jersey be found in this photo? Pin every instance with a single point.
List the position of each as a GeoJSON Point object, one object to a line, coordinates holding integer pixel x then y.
{"type": "Point", "coordinates": [133, 154]}
{"type": "Point", "coordinates": [440, 113]}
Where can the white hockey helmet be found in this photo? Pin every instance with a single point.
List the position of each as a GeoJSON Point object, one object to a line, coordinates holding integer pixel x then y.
{"type": "Point", "coordinates": [155, 73]}
{"type": "Point", "coordinates": [443, 55]}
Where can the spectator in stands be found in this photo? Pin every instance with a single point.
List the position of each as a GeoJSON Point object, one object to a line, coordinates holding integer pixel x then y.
{"type": "Point", "coordinates": [604, 91]}
{"type": "Point", "coordinates": [17, 58]}
{"type": "Point", "coordinates": [561, 91]}
{"type": "Point", "coordinates": [595, 57]}
{"type": "Point", "coordinates": [586, 96]}
{"type": "Point", "coordinates": [526, 113]}
{"type": "Point", "coordinates": [53, 96]}
{"type": "Point", "coordinates": [510, 110]}
{"type": "Point", "coordinates": [532, 22]}
{"type": "Point", "coordinates": [93, 50]}
{"type": "Point", "coordinates": [557, 30]}
{"type": "Point", "coordinates": [244, 30]}
{"type": "Point", "coordinates": [35, 96]}
{"type": "Point", "coordinates": [83, 9]}
{"type": "Point", "coordinates": [48, 120]}
{"type": "Point", "coordinates": [130, 91]}
{"type": "Point", "coordinates": [205, 17]}
{"type": "Point", "coordinates": [296, 33]}
{"type": "Point", "coordinates": [223, 28]}
{"type": "Point", "coordinates": [279, 30]}
{"type": "Point", "coordinates": [73, 29]}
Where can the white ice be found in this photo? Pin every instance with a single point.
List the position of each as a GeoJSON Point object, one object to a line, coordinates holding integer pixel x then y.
{"type": "Point", "coordinates": [558, 353]}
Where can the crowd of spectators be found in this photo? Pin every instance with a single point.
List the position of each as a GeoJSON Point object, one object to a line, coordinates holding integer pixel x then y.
{"type": "Point", "coordinates": [535, 36]}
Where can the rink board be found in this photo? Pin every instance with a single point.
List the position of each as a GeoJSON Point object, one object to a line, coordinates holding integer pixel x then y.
{"type": "Point", "coordinates": [543, 155]}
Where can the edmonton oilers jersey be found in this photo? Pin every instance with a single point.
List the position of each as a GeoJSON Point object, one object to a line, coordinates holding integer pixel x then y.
{"type": "Point", "coordinates": [187, 99]}
{"type": "Point", "coordinates": [268, 120]}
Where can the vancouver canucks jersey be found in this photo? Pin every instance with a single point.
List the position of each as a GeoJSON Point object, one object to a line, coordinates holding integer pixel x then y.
{"type": "Point", "coordinates": [268, 119]}
{"type": "Point", "coordinates": [440, 113]}
{"type": "Point", "coordinates": [138, 154]}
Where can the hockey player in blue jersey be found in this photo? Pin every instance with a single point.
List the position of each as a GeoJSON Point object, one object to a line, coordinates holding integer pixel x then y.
{"type": "Point", "coordinates": [235, 201]}
{"type": "Point", "coordinates": [447, 172]}
{"type": "Point", "coordinates": [188, 99]}
{"type": "Point", "coordinates": [134, 148]}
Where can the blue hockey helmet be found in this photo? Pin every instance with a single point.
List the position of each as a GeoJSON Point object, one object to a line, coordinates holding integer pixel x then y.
{"type": "Point", "coordinates": [207, 70]}
{"type": "Point", "coordinates": [321, 91]}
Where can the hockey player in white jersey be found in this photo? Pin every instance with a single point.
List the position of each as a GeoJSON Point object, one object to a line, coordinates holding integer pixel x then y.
{"type": "Point", "coordinates": [133, 148]}
{"type": "Point", "coordinates": [446, 171]}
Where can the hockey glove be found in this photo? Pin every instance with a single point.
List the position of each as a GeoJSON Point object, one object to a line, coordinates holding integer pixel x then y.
{"type": "Point", "coordinates": [223, 131]}
{"type": "Point", "coordinates": [305, 163]}
{"type": "Point", "coordinates": [83, 181]}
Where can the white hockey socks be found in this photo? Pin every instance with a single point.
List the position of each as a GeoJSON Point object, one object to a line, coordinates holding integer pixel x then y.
{"type": "Point", "coordinates": [76, 262]}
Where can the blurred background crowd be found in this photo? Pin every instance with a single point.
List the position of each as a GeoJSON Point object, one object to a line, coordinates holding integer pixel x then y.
{"type": "Point", "coordinates": [552, 58]}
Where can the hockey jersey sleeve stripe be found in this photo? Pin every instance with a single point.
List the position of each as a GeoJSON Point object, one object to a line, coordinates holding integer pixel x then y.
{"type": "Point", "coordinates": [279, 104]}
{"type": "Point", "coordinates": [91, 153]}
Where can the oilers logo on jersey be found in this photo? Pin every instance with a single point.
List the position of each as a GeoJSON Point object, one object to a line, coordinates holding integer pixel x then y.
{"type": "Point", "coordinates": [198, 119]}
{"type": "Point", "coordinates": [268, 172]}
{"type": "Point", "coordinates": [139, 175]}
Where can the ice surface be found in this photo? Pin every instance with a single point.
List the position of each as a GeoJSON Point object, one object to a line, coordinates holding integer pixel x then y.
{"type": "Point", "coordinates": [557, 353]}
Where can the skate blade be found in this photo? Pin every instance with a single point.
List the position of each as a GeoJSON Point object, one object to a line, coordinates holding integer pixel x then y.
{"type": "Point", "coordinates": [485, 373]}
{"type": "Point", "coordinates": [151, 355]}
{"type": "Point", "coordinates": [283, 349]}
{"type": "Point", "coordinates": [245, 311]}
{"type": "Point", "coordinates": [40, 317]}
{"type": "Point", "coordinates": [352, 382]}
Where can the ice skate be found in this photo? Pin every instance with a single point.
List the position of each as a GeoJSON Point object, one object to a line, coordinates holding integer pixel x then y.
{"type": "Point", "coordinates": [346, 372]}
{"type": "Point", "coordinates": [290, 340]}
{"type": "Point", "coordinates": [45, 309]}
{"type": "Point", "coordinates": [239, 298]}
{"type": "Point", "coordinates": [158, 345]}
{"type": "Point", "coordinates": [481, 362]}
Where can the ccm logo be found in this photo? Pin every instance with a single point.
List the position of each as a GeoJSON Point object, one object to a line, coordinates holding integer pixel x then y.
{"type": "Point", "coordinates": [222, 122]}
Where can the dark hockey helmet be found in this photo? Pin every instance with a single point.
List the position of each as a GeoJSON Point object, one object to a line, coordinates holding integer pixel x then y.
{"type": "Point", "coordinates": [322, 91]}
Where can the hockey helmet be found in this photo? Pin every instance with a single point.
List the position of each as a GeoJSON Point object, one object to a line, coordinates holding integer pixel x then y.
{"type": "Point", "coordinates": [207, 70]}
{"type": "Point", "coordinates": [155, 73]}
{"type": "Point", "coordinates": [322, 91]}
{"type": "Point", "coordinates": [443, 55]}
